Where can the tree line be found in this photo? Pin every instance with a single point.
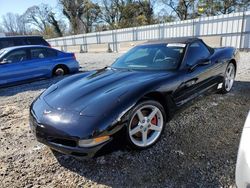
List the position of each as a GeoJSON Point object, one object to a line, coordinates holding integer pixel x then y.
{"type": "Point", "coordinates": [84, 16]}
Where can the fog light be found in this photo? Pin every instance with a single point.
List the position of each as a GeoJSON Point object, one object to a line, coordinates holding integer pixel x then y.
{"type": "Point", "coordinates": [93, 142]}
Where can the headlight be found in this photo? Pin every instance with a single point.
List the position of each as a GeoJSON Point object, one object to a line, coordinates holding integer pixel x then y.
{"type": "Point", "coordinates": [93, 142]}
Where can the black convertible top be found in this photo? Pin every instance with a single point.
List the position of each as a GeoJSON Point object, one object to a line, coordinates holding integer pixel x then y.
{"type": "Point", "coordinates": [184, 40]}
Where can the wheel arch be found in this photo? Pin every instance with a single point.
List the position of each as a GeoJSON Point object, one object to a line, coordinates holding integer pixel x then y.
{"type": "Point", "coordinates": [164, 99]}
{"type": "Point", "coordinates": [65, 67]}
{"type": "Point", "coordinates": [234, 63]}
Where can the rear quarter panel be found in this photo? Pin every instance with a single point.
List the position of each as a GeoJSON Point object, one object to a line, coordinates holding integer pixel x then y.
{"type": "Point", "coordinates": [224, 56]}
{"type": "Point", "coordinates": [68, 60]}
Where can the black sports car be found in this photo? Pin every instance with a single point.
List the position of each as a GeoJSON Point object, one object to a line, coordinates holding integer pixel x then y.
{"type": "Point", "coordinates": [133, 98]}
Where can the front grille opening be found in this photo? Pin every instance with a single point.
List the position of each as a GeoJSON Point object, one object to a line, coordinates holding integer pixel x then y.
{"type": "Point", "coordinates": [64, 142]}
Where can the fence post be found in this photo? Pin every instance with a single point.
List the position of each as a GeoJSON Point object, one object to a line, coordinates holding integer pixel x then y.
{"type": "Point", "coordinates": [85, 44]}
{"type": "Point", "coordinates": [81, 50]}
{"type": "Point", "coordinates": [193, 27]}
{"type": "Point", "coordinates": [242, 28]}
{"type": "Point", "coordinates": [161, 31]}
{"type": "Point", "coordinates": [97, 38]}
{"type": "Point", "coordinates": [114, 38]}
{"type": "Point", "coordinates": [109, 48]}
{"type": "Point", "coordinates": [64, 45]}
{"type": "Point", "coordinates": [135, 34]}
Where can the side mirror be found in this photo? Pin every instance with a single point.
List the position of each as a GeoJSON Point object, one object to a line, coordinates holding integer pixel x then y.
{"type": "Point", "coordinates": [202, 62]}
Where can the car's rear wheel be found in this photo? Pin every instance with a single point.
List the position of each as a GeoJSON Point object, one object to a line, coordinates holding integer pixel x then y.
{"type": "Point", "coordinates": [146, 124]}
{"type": "Point", "coordinates": [60, 71]}
{"type": "Point", "coordinates": [228, 78]}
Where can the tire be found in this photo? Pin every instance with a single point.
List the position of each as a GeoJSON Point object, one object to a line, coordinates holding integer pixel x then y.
{"type": "Point", "coordinates": [60, 71]}
{"type": "Point", "coordinates": [229, 77]}
{"type": "Point", "coordinates": [146, 123]}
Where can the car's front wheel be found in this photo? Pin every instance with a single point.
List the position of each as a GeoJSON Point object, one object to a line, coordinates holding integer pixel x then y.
{"type": "Point", "coordinates": [228, 78]}
{"type": "Point", "coordinates": [146, 123]}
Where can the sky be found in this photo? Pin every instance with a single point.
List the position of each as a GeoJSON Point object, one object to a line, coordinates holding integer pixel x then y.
{"type": "Point", "coordinates": [20, 6]}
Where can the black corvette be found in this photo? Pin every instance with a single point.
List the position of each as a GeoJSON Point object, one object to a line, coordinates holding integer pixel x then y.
{"type": "Point", "coordinates": [133, 98]}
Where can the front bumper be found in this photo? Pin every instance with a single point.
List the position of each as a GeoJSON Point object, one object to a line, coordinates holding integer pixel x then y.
{"type": "Point", "coordinates": [63, 143]}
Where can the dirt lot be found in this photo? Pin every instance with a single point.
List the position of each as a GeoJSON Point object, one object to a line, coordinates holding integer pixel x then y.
{"type": "Point", "coordinates": [198, 148]}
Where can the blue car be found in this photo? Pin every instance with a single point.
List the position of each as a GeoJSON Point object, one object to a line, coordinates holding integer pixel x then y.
{"type": "Point", "coordinates": [22, 63]}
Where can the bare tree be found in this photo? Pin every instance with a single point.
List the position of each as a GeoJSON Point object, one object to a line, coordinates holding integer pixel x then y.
{"type": "Point", "coordinates": [82, 14]}
{"type": "Point", "coordinates": [91, 13]}
{"type": "Point", "coordinates": [229, 6]}
{"type": "Point", "coordinates": [73, 10]}
{"type": "Point", "coordinates": [147, 10]}
{"type": "Point", "coordinates": [43, 19]}
{"type": "Point", "coordinates": [182, 8]}
{"type": "Point", "coordinates": [127, 13]}
{"type": "Point", "coordinates": [57, 24]}
{"type": "Point", "coordinates": [1, 29]}
{"type": "Point", "coordinates": [112, 12]}
{"type": "Point", "coordinates": [216, 7]}
{"type": "Point", "coordinates": [23, 25]}
{"type": "Point", "coordinates": [163, 16]}
{"type": "Point", "coordinates": [37, 17]}
{"type": "Point", "coordinates": [14, 24]}
{"type": "Point", "coordinates": [10, 23]}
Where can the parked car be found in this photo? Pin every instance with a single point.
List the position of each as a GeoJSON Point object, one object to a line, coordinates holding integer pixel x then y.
{"type": "Point", "coordinates": [31, 62]}
{"type": "Point", "coordinates": [243, 160]}
{"type": "Point", "coordinates": [132, 99]}
{"type": "Point", "coordinates": [6, 42]}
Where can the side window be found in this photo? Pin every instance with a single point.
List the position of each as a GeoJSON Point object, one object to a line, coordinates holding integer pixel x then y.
{"type": "Point", "coordinates": [38, 53]}
{"type": "Point", "coordinates": [51, 53]}
{"type": "Point", "coordinates": [196, 52]}
{"type": "Point", "coordinates": [41, 53]}
{"type": "Point", "coordinates": [16, 56]}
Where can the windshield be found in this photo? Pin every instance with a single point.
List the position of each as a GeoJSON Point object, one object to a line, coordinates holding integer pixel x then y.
{"type": "Point", "coordinates": [2, 51]}
{"type": "Point", "coordinates": [152, 57]}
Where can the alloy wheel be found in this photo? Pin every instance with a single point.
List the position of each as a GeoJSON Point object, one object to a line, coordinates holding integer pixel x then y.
{"type": "Point", "coordinates": [229, 77]}
{"type": "Point", "coordinates": [59, 71]}
{"type": "Point", "coordinates": [146, 125]}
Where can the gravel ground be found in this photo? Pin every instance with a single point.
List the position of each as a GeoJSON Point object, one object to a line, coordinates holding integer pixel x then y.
{"type": "Point", "coordinates": [198, 148]}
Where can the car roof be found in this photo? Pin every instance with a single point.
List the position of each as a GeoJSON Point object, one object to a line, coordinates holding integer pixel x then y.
{"type": "Point", "coordinates": [26, 46]}
{"type": "Point", "coordinates": [22, 36]}
{"type": "Point", "coordinates": [184, 40]}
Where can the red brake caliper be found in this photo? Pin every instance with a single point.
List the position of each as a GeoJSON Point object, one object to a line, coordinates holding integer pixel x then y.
{"type": "Point", "coordinates": [154, 120]}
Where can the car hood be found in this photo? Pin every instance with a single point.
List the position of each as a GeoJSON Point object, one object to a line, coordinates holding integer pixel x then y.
{"type": "Point", "coordinates": [99, 89]}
